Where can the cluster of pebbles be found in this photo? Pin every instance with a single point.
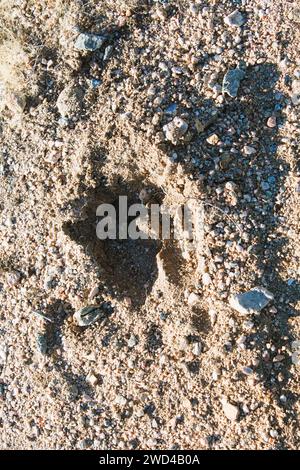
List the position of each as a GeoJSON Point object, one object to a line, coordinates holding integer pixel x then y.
{"type": "Point", "coordinates": [161, 346]}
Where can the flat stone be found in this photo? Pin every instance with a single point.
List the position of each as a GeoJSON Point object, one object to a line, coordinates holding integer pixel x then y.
{"type": "Point", "coordinates": [231, 81]}
{"type": "Point", "coordinates": [88, 315]}
{"type": "Point", "coordinates": [252, 301]}
{"type": "Point", "coordinates": [89, 42]}
{"type": "Point", "coordinates": [235, 19]}
{"type": "Point", "coordinates": [231, 411]}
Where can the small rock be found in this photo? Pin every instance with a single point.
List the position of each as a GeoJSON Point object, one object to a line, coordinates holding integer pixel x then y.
{"type": "Point", "coordinates": [108, 52]}
{"type": "Point", "coordinates": [13, 278]}
{"type": "Point", "coordinates": [92, 379]}
{"type": "Point", "coordinates": [120, 400]}
{"type": "Point", "coordinates": [283, 398]}
{"type": "Point", "coordinates": [88, 315]}
{"type": "Point", "coordinates": [63, 122]}
{"type": "Point", "coordinates": [231, 411]}
{"type": "Point", "coordinates": [235, 19]}
{"type": "Point", "coordinates": [175, 130]}
{"type": "Point", "coordinates": [93, 292]}
{"type": "Point", "coordinates": [206, 279]}
{"type": "Point", "coordinates": [225, 160]}
{"type": "Point", "coordinates": [212, 139]}
{"type": "Point", "coordinates": [41, 342]}
{"type": "Point", "coordinates": [69, 101]}
{"type": "Point", "coordinates": [132, 341]}
{"type": "Point", "coordinates": [252, 301]}
{"type": "Point", "coordinates": [273, 433]}
{"type": "Point", "coordinates": [279, 358]}
{"type": "Point", "coordinates": [197, 348]}
{"type": "Point", "coordinates": [231, 82]}
{"type": "Point", "coordinates": [249, 150]}
{"type": "Point", "coordinates": [247, 370]}
{"type": "Point", "coordinates": [272, 122]}
{"type": "Point", "coordinates": [231, 186]}
{"type": "Point", "coordinates": [89, 42]}
{"type": "Point", "coordinates": [193, 299]}
{"type": "Point", "coordinates": [84, 444]}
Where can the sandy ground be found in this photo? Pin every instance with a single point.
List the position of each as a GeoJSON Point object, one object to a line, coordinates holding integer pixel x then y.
{"type": "Point", "coordinates": [160, 369]}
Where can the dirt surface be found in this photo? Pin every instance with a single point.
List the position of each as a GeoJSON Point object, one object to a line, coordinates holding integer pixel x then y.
{"type": "Point", "coordinates": [161, 368]}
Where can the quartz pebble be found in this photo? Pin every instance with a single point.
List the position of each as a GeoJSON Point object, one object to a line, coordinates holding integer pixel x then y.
{"type": "Point", "coordinates": [197, 348]}
{"type": "Point", "coordinates": [132, 341]}
{"type": "Point", "coordinates": [235, 19]}
{"type": "Point", "coordinates": [272, 122]}
{"type": "Point", "coordinates": [193, 299]}
{"type": "Point", "coordinates": [92, 379]}
{"type": "Point", "coordinates": [231, 411]}
{"type": "Point", "coordinates": [249, 150]}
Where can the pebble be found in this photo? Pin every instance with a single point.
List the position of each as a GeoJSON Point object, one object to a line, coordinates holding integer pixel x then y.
{"type": "Point", "coordinates": [41, 342]}
{"type": "Point", "coordinates": [247, 370]}
{"type": "Point", "coordinates": [175, 130]}
{"type": "Point", "coordinates": [133, 341]}
{"type": "Point", "coordinates": [273, 433]}
{"type": "Point", "coordinates": [69, 101]}
{"type": "Point", "coordinates": [93, 292]}
{"type": "Point", "coordinates": [120, 400]}
{"type": "Point", "coordinates": [231, 82]}
{"type": "Point", "coordinates": [13, 278]}
{"type": "Point", "coordinates": [235, 19]}
{"type": "Point", "coordinates": [249, 150]}
{"type": "Point", "coordinates": [92, 379]}
{"type": "Point", "coordinates": [63, 122]}
{"type": "Point", "coordinates": [272, 122]}
{"type": "Point", "coordinates": [252, 301]}
{"type": "Point", "coordinates": [212, 139]}
{"type": "Point", "coordinates": [206, 279]}
{"type": "Point", "coordinates": [88, 315]}
{"type": "Point", "coordinates": [295, 97]}
{"type": "Point", "coordinates": [231, 411]}
{"type": "Point", "coordinates": [89, 42]}
{"type": "Point", "coordinates": [197, 348]}
{"type": "Point", "coordinates": [193, 299]}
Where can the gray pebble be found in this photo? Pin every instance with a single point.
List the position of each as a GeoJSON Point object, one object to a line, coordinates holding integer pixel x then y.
{"type": "Point", "coordinates": [41, 342]}
{"type": "Point", "coordinates": [89, 42]}
{"type": "Point", "coordinates": [88, 315]}
{"type": "Point", "coordinates": [231, 82]}
{"type": "Point", "coordinates": [252, 301]}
